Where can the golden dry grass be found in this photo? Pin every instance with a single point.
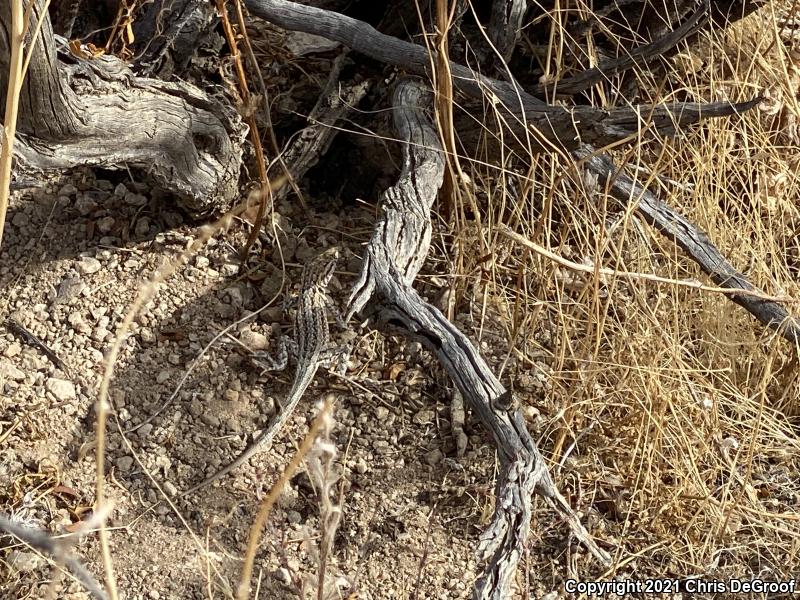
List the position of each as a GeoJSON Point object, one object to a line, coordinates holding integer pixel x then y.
{"type": "Point", "coordinates": [670, 408]}
{"type": "Point", "coordinates": [683, 406]}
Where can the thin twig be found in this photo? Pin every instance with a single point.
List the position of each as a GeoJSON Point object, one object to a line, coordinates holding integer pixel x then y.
{"type": "Point", "coordinates": [266, 505]}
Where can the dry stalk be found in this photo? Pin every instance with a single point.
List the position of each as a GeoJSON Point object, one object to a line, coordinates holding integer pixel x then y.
{"type": "Point", "coordinates": [264, 509]}
{"type": "Point", "coordinates": [248, 111]}
{"type": "Point", "coordinates": [15, 78]}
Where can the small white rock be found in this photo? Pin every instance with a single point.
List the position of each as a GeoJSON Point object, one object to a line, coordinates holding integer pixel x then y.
{"type": "Point", "coordinates": [253, 340]}
{"type": "Point", "coordinates": [229, 270]}
{"type": "Point", "coordinates": [9, 371]}
{"type": "Point", "coordinates": [89, 265]}
{"type": "Point", "coordinates": [12, 350]}
{"type": "Point", "coordinates": [60, 388]}
{"type": "Point", "coordinates": [100, 334]}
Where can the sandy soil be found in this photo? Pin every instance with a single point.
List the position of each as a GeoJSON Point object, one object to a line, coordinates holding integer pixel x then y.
{"type": "Point", "coordinates": [74, 257]}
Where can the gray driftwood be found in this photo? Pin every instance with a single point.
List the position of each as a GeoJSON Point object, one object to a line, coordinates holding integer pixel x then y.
{"type": "Point", "coordinates": [547, 126]}
{"type": "Point", "coordinates": [691, 240]}
{"type": "Point", "coordinates": [84, 111]}
{"type": "Point", "coordinates": [505, 24]}
{"type": "Point", "coordinates": [59, 549]}
{"type": "Point", "coordinates": [384, 293]}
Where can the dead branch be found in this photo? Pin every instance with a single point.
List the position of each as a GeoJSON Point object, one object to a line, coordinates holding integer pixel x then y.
{"type": "Point", "coordinates": [553, 126]}
{"type": "Point", "coordinates": [505, 24]}
{"type": "Point", "coordinates": [696, 243]}
{"type": "Point", "coordinates": [393, 258]}
{"type": "Point", "coordinates": [637, 57]}
{"type": "Point", "coordinates": [59, 549]}
{"type": "Point", "coordinates": [93, 111]}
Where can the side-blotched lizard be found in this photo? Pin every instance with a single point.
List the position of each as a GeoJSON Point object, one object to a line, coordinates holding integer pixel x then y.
{"type": "Point", "coordinates": [312, 339]}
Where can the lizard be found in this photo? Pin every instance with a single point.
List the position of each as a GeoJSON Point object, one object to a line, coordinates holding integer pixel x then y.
{"type": "Point", "coordinates": [311, 335]}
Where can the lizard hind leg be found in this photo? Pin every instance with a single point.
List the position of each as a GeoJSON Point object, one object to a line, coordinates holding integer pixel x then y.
{"type": "Point", "coordinates": [278, 361]}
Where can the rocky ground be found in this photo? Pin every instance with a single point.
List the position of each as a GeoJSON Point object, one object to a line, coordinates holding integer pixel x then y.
{"type": "Point", "coordinates": [73, 258]}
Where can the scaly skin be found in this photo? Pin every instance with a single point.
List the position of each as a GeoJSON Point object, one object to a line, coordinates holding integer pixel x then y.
{"type": "Point", "coordinates": [312, 337]}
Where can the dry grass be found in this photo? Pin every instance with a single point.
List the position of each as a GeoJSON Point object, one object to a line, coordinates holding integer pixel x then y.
{"type": "Point", "coordinates": [684, 408]}
{"type": "Point", "coordinates": [668, 407]}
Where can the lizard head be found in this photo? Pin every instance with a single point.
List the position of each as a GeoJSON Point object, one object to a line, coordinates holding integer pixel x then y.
{"type": "Point", "coordinates": [324, 264]}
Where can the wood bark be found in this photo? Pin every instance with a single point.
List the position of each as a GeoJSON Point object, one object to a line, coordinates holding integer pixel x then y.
{"type": "Point", "coordinates": [384, 293]}
{"type": "Point", "coordinates": [93, 111]}
{"type": "Point", "coordinates": [544, 126]}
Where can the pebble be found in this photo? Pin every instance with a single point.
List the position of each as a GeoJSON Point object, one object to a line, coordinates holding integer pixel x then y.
{"type": "Point", "coordinates": [67, 190]}
{"type": "Point", "coordinates": [106, 224]}
{"type": "Point", "coordinates": [381, 412]}
{"type": "Point", "coordinates": [89, 265]}
{"type": "Point", "coordinates": [201, 262]}
{"type": "Point", "coordinates": [120, 190]}
{"type": "Point", "coordinates": [142, 227]}
{"type": "Point", "coordinates": [62, 389]}
{"type": "Point", "coordinates": [144, 431]}
{"type": "Point", "coordinates": [434, 457]}
{"type": "Point", "coordinates": [85, 205]}
{"type": "Point", "coordinates": [12, 350]}
{"type": "Point", "coordinates": [135, 199]}
{"type": "Point", "coordinates": [229, 270]}
{"type": "Point", "coordinates": [100, 334]}
{"type": "Point", "coordinates": [231, 395]}
{"type": "Point", "coordinates": [26, 562]}
{"type": "Point", "coordinates": [381, 446]}
{"type": "Point", "coordinates": [124, 463]}
{"type": "Point", "coordinates": [20, 220]}
{"type": "Point", "coordinates": [294, 517]}
{"type": "Point", "coordinates": [9, 371]}
{"type": "Point", "coordinates": [170, 488]}
{"type": "Point", "coordinates": [424, 417]}
{"type": "Point", "coordinates": [235, 295]}
{"type": "Point", "coordinates": [253, 340]}
{"type": "Point", "coordinates": [282, 576]}
{"type": "Point", "coordinates": [162, 376]}
{"type": "Point", "coordinates": [210, 419]}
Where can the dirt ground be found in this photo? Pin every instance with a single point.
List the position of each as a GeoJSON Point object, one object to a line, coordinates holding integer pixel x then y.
{"type": "Point", "coordinates": [74, 257]}
{"type": "Point", "coordinates": [669, 416]}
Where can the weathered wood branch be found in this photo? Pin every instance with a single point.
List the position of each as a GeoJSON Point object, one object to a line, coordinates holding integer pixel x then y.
{"type": "Point", "coordinates": [57, 548]}
{"type": "Point", "coordinates": [505, 24]}
{"type": "Point", "coordinates": [168, 33]}
{"type": "Point", "coordinates": [335, 102]}
{"type": "Point", "coordinates": [554, 126]}
{"type": "Point", "coordinates": [96, 112]}
{"type": "Point", "coordinates": [637, 57]}
{"type": "Point", "coordinates": [696, 243]}
{"type": "Point", "coordinates": [384, 294]}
